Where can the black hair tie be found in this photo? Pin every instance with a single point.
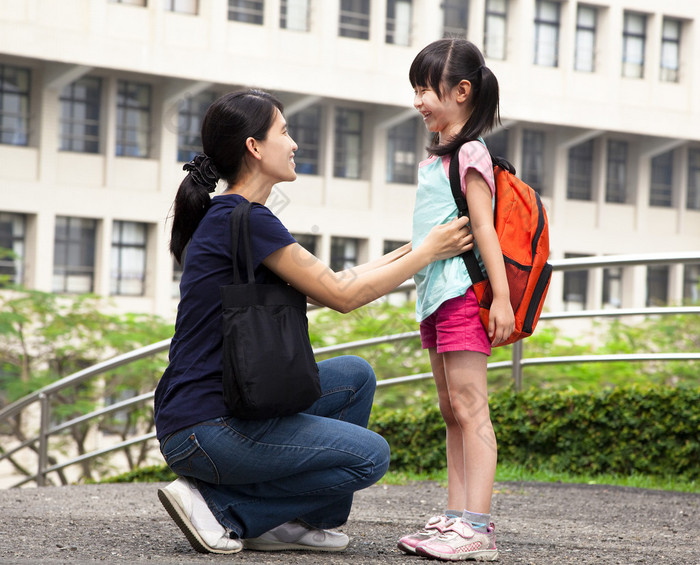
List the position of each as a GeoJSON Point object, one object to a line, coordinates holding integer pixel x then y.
{"type": "Point", "coordinates": [203, 171]}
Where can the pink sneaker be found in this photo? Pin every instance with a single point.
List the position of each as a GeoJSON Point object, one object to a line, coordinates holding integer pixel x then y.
{"type": "Point", "coordinates": [459, 542]}
{"type": "Point", "coordinates": [435, 526]}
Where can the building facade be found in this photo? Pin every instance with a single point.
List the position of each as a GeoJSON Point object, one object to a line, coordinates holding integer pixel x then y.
{"type": "Point", "coordinates": [101, 103]}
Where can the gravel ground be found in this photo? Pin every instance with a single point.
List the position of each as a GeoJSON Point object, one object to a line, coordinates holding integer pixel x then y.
{"type": "Point", "coordinates": [536, 524]}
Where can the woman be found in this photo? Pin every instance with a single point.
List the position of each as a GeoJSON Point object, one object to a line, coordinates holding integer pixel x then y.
{"type": "Point", "coordinates": [280, 483]}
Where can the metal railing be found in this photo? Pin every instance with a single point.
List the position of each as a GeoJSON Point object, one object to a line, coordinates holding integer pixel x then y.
{"type": "Point", "coordinates": [516, 364]}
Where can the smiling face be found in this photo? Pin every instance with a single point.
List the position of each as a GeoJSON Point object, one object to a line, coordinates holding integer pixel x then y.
{"type": "Point", "coordinates": [277, 151]}
{"type": "Point", "coordinates": [444, 116]}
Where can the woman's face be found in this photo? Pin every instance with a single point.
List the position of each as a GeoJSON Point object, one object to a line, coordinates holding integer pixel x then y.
{"type": "Point", "coordinates": [277, 151]}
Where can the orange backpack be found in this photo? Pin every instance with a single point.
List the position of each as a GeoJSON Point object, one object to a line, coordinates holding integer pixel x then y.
{"type": "Point", "coordinates": [523, 232]}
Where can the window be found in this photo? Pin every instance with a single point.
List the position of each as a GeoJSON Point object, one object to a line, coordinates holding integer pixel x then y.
{"type": "Point", "coordinates": [246, 11]}
{"type": "Point", "coordinates": [132, 2]}
{"type": "Point", "coordinates": [693, 195]}
{"type": "Point", "coordinates": [657, 286]}
{"type": "Point", "coordinates": [497, 143]}
{"type": "Point", "coordinates": [12, 241]}
{"type": "Point", "coordinates": [307, 241]}
{"type": "Point", "coordinates": [455, 18]}
{"type": "Point", "coordinates": [390, 245]}
{"type": "Point", "coordinates": [305, 129]}
{"type": "Point", "coordinates": [691, 284]}
{"type": "Point", "coordinates": [128, 274]}
{"type": "Point", "coordinates": [661, 190]}
{"type": "Point", "coordinates": [14, 105]}
{"type": "Point", "coordinates": [182, 6]}
{"type": "Point", "coordinates": [633, 45]}
{"type": "Point", "coordinates": [348, 144]}
{"type": "Point", "coordinates": [495, 29]}
{"type": "Point", "coordinates": [74, 255]}
{"type": "Point", "coordinates": [670, 49]}
{"type": "Point", "coordinates": [189, 124]}
{"type": "Point", "coordinates": [584, 56]}
{"type": "Point", "coordinates": [580, 175]}
{"type": "Point", "coordinates": [575, 286]}
{"type": "Point", "coordinates": [344, 253]}
{"type": "Point", "coordinates": [354, 19]}
{"type": "Point", "coordinates": [398, 22]}
{"type": "Point", "coordinates": [133, 119]}
{"type": "Point", "coordinates": [616, 173]}
{"type": "Point", "coordinates": [533, 159]}
{"type": "Point", "coordinates": [612, 287]}
{"type": "Point", "coordinates": [401, 153]}
{"type": "Point", "coordinates": [294, 15]}
{"type": "Point", "coordinates": [80, 115]}
{"type": "Point", "coordinates": [547, 33]}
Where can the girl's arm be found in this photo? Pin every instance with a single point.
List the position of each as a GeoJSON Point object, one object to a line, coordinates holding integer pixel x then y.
{"type": "Point", "coordinates": [501, 318]}
{"type": "Point", "coordinates": [352, 288]}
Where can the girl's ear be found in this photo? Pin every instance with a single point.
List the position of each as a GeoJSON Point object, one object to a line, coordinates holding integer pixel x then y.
{"type": "Point", "coordinates": [251, 145]}
{"type": "Point", "coordinates": [464, 88]}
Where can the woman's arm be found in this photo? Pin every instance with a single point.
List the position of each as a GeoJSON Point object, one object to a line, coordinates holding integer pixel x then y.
{"type": "Point", "coordinates": [356, 287]}
{"type": "Point", "coordinates": [501, 318]}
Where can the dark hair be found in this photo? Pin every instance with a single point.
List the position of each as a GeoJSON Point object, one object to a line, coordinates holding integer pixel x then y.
{"type": "Point", "coordinates": [229, 121]}
{"type": "Point", "coordinates": [441, 66]}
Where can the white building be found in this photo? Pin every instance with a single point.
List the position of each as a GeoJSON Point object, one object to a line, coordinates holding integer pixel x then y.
{"type": "Point", "coordinates": [101, 101]}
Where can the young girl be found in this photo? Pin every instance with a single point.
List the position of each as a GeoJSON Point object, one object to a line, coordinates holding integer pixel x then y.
{"type": "Point", "coordinates": [457, 95]}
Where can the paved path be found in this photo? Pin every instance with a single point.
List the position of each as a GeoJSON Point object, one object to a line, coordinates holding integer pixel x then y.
{"type": "Point", "coordinates": [536, 524]}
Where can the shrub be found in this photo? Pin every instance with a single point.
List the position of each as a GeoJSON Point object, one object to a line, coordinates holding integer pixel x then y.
{"type": "Point", "coordinates": [624, 430]}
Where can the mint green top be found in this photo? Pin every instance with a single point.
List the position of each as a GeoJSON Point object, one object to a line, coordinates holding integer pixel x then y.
{"type": "Point", "coordinates": [435, 205]}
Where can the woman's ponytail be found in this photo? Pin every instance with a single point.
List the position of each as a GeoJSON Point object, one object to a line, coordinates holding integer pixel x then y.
{"type": "Point", "coordinates": [192, 201]}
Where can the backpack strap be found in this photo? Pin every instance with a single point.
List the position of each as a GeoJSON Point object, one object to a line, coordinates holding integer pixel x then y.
{"type": "Point", "coordinates": [470, 260]}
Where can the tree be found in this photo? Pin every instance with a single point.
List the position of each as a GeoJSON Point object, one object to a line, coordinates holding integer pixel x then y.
{"type": "Point", "coordinates": [45, 337]}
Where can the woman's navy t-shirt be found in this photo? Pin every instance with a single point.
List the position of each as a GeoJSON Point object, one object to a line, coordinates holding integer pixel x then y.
{"type": "Point", "coordinates": [190, 390]}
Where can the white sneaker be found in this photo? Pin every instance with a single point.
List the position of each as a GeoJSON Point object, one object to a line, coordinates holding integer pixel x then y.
{"type": "Point", "coordinates": [296, 535]}
{"type": "Point", "coordinates": [187, 508]}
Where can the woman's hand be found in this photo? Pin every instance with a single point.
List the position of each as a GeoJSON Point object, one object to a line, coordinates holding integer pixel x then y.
{"type": "Point", "coordinates": [501, 320]}
{"type": "Point", "coordinates": [448, 240]}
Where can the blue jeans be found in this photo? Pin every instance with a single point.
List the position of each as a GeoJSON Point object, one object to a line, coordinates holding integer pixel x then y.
{"type": "Point", "coordinates": [258, 474]}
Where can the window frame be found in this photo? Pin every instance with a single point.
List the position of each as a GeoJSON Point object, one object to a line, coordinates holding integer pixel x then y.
{"type": "Point", "coordinates": [616, 190]}
{"type": "Point", "coordinates": [670, 73]}
{"type": "Point", "coordinates": [340, 258]}
{"type": "Point", "coordinates": [354, 19]}
{"type": "Point", "coordinates": [547, 52]}
{"type": "Point", "coordinates": [82, 248]}
{"type": "Point", "coordinates": [495, 18]}
{"type": "Point", "coordinates": [119, 276]}
{"type": "Point", "coordinates": [190, 115]}
{"type": "Point", "coordinates": [585, 31]}
{"type": "Point", "coordinates": [285, 15]}
{"type": "Point", "coordinates": [633, 68]}
{"type": "Point", "coordinates": [579, 178]}
{"type": "Point", "coordinates": [246, 11]}
{"type": "Point", "coordinates": [692, 201]}
{"type": "Point", "coordinates": [305, 128]}
{"type": "Point", "coordinates": [142, 131]}
{"type": "Point", "coordinates": [13, 264]}
{"type": "Point", "coordinates": [393, 21]}
{"type": "Point", "coordinates": [92, 109]}
{"type": "Point", "coordinates": [19, 133]}
{"type": "Point", "coordinates": [661, 180]}
{"type": "Point", "coordinates": [402, 140]}
{"type": "Point", "coordinates": [342, 153]}
{"type": "Point", "coordinates": [455, 12]}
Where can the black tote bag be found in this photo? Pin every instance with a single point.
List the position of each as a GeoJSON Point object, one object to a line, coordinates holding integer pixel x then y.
{"type": "Point", "coordinates": [269, 368]}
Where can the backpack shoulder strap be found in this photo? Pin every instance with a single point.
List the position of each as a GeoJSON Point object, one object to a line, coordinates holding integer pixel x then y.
{"type": "Point", "coordinates": [469, 257]}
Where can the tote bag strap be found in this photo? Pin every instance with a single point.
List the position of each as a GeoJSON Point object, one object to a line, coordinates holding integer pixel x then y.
{"type": "Point", "coordinates": [240, 232]}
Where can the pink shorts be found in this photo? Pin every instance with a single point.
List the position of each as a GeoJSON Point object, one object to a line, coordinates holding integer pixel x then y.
{"type": "Point", "coordinates": [455, 326]}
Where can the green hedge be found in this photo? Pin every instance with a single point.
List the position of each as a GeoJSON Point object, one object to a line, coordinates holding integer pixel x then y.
{"type": "Point", "coordinates": [646, 430]}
